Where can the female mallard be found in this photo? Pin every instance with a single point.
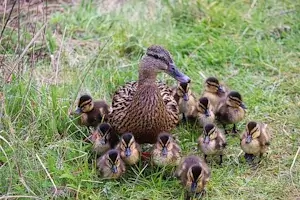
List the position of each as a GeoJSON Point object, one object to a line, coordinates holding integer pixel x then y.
{"type": "Point", "coordinates": [146, 108]}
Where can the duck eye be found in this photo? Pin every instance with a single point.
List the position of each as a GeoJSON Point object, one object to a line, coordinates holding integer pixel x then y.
{"type": "Point", "coordinates": [155, 56]}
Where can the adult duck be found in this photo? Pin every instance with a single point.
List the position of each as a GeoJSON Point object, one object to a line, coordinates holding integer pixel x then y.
{"type": "Point", "coordinates": [144, 107]}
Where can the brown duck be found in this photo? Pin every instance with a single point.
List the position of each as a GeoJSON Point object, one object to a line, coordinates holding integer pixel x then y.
{"type": "Point", "coordinates": [145, 108]}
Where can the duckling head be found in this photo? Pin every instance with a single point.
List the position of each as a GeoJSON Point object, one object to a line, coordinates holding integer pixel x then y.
{"type": "Point", "coordinates": [113, 160]}
{"type": "Point", "coordinates": [194, 176]}
{"type": "Point", "coordinates": [252, 130]}
{"type": "Point", "coordinates": [158, 59]}
{"type": "Point", "coordinates": [85, 104]}
{"type": "Point", "coordinates": [209, 133]}
{"type": "Point", "coordinates": [234, 99]}
{"type": "Point", "coordinates": [165, 144]}
{"type": "Point", "coordinates": [101, 134]}
{"type": "Point", "coordinates": [104, 128]}
{"type": "Point", "coordinates": [212, 85]}
{"type": "Point", "coordinates": [203, 106]}
{"type": "Point", "coordinates": [127, 144]}
{"type": "Point", "coordinates": [184, 91]}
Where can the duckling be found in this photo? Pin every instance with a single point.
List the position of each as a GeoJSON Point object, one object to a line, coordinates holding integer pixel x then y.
{"type": "Point", "coordinates": [214, 91]}
{"type": "Point", "coordinates": [203, 112]}
{"type": "Point", "coordinates": [111, 165]}
{"type": "Point", "coordinates": [194, 175]}
{"type": "Point", "coordinates": [103, 138]}
{"type": "Point", "coordinates": [231, 110]}
{"type": "Point", "coordinates": [185, 99]}
{"type": "Point", "coordinates": [166, 152]}
{"type": "Point", "coordinates": [91, 112]}
{"type": "Point", "coordinates": [212, 142]}
{"type": "Point", "coordinates": [129, 149]}
{"type": "Point", "coordinates": [255, 140]}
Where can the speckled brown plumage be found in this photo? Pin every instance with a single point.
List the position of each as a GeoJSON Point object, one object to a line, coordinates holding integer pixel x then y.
{"type": "Point", "coordinates": [145, 117]}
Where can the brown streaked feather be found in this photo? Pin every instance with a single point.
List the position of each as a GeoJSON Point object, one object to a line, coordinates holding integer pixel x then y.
{"type": "Point", "coordinates": [144, 117]}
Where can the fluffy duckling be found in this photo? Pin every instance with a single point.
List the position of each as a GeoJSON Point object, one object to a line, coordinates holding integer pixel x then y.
{"type": "Point", "coordinates": [203, 112]}
{"type": "Point", "coordinates": [91, 112]}
{"type": "Point", "coordinates": [166, 152]}
{"type": "Point", "coordinates": [214, 91]}
{"type": "Point", "coordinates": [231, 110]}
{"type": "Point", "coordinates": [212, 142]}
{"type": "Point", "coordinates": [194, 175]}
{"type": "Point", "coordinates": [129, 149]}
{"type": "Point", "coordinates": [111, 165]}
{"type": "Point", "coordinates": [103, 138]}
{"type": "Point", "coordinates": [185, 99]}
{"type": "Point", "coordinates": [255, 140]}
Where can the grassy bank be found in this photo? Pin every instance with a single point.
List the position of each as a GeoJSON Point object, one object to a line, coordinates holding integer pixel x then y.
{"type": "Point", "coordinates": [253, 46]}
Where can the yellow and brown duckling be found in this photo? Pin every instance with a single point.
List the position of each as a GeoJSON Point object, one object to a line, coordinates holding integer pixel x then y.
{"type": "Point", "coordinates": [255, 140]}
{"type": "Point", "coordinates": [103, 138]}
{"type": "Point", "coordinates": [231, 110]}
{"type": "Point", "coordinates": [110, 165]}
{"type": "Point", "coordinates": [203, 112]}
{"type": "Point", "coordinates": [194, 175]}
{"type": "Point", "coordinates": [214, 91]}
{"type": "Point", "coordinates": [212, 142]}
{"type": "Point", "coordinates": [144, 107]}
{"type": "Point", "coordinates": [129, 149]}
{"type": "Point", "coordinates": [166, 152]}
{"type": "Point", "coordinates": [185, 99]}
{"type": "Point", "coordinates": [91, 112]}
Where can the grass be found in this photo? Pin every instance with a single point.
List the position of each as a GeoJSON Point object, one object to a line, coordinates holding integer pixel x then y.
{"type": "Point", "coordinates": [87, 48]}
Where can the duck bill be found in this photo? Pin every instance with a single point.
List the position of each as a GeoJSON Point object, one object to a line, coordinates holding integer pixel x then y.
{"type": "Point", "coordinates": [78, 110]}
{"type": "Point", "coordinates": [207, 113]}
{"type": "Point", "coordinates": [221, 89]}
{"type": "Point", "coordinates": [193, 186]}
{"type": "Point", "coordinates": [248, 139]}
{"type": "Point", "coordinates": [243, 106]}
{"type": "Point", "coordinates": [114, 169]}
{"type": "Point", "coordinates": [164, 151]}
{"type": "Point", "coordinates": [185, 97]}
{"type": "Point", "coordinates": [178, 75]}
{"type": "Point", "coordinates": [127, 152]}
{"type": "Point", "coordinates": [206, 139]}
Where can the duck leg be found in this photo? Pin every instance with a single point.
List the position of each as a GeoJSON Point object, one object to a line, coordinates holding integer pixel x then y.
{"type": "Point", "coordinates": [205, 158]}
{"type": "Point", "coordinates": [249, 158]}
{"type": "Point", "coordinates": [234, 130]}
{"type": "Point", "coordinates": [221, 160]}
{"type": "Point", "coordinates": [224, 127]}
{"type": "Point", "coordinates": [184, 120]}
